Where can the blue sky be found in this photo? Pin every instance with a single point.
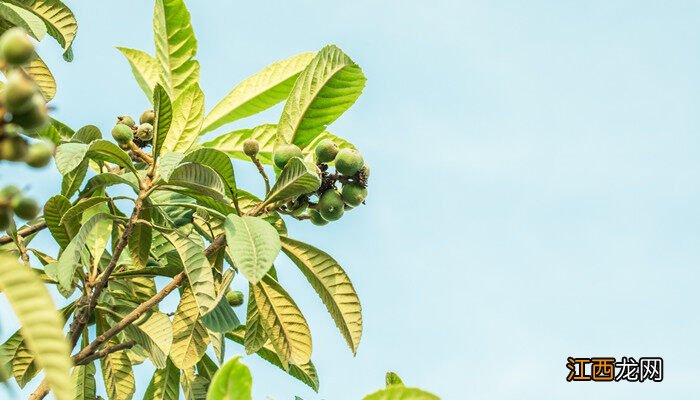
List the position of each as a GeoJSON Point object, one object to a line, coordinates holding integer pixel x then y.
{"type": "Point", "coordinates": [534, 182]}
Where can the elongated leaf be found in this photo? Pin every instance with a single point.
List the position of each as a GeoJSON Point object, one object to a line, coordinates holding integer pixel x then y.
{"type": "Point", "coordinates": [392, 379]}
{"type": "Point", "coordinates": [401, 393]}
{"type": "Point", "coordinates": [109, 179]}
{"type": "Point", "coordinates": [332, 285]}
{"type": "Point", "coordinates": [145, 69]}
{"type": "Point", "coordinates": [193, 386]}
{"type": "Point", "coordinates": [306, 373]}
{"type": "Point", "coordinates": [54, 209]}
{"type": "Point", "coordinates": [211, 158]}
{"type": "Point", "coordinates": [155, 334]}
{"type": "Point", "coordinates": [188, 114]}
{"type": "Point", "coordinates": [24, 19]}
{"type": "Point", "coordinates": [103, 150]}
{"type": "Point", "coordinates": [231, 143]}
{"type": "Point", "coordinates": [83, 378]}
{"type": "Point", "coordinates": [70, 258]}
{"type": "Point", "coordinates": [72, 180]}
{"type": "Point", "coordinates": [328, 86]}
{"type": "Point", "coordinates": [253, 244]}
{"type": "Point", "coordinates": [218, 342]}
{"type": "Point", "coordinates": [42, 326]}
{"type": "Point", "coordinates": [69, 156]}
{"type": "Point", "coordinates": [283, 321]}
{"type": "Point", "coordinates": [42, 76]}
{"type": "Point", "coordinates": [86, 134]}
{"type": "Point", "coordinates": [255, 336]}
{"type": "Point", "coordinates": [222, 318]}
{"type": "Point", "coordinates": [140, 240]}
{"type": "Point", "coordinates": [297, 178]}
{"type": "Point", "coordinates": [231, 382]}
{"type": "Point", "coordinates": [199, 178]}
{"type": "Point", "coordinates": [118, 375]}
{"type": "Point", "coordinates": [77, 210]}
{"type": "Point", "coordinates": [197, 268]}
{"type": "Point", "coordinates": [175, 46]}
{"type": "Point", "coordinates": [164, 384]}
{"type": "Point", "coordinates": [163, 109]}
{"type": "Point", "coordinates": [190, 337]}
{"type": "Point", "coordinates": [59, 19]}
{"type": "Point", "coordinates": [258, 92]}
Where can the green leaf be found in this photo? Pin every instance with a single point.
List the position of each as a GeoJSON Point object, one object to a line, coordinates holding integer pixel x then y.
{"type": "Point", "coordinates": [258, 92]}
{"type": "Point", "coordinates": [42, 76]}
{"type": "Point", "coordinates": [175, 46]}
{"type": "Point", "coordinates": [24, 19]}
{"type": "Point", "coordinates": [401, 393]}
{"type": "Point", "coordinates": [190, 337]}
{"type": "Point", "coordinates": [109, 179]}
{"type": "Point", "coordinates": [140, 240]}
{"type": "Point", "coordinates": [284, 323]}
{"type": "Point", "coordinates": [59, 19]}
{"type": "Point", "coordinates": [83, 378]}
{"type": "Point", "coordinates": [163, 109]}
{"type": "Point", "coordinates": [86, 134]}
{"type": "Point", "coordinates": [82, 205]}
{"type": "Point", "coordinates": [306, 373]}
{"type": "Point", "coordinates": [332, 285]}
{"type": "Point", "coordinates": [99, 236]}
{"type": "Point", "coordinates": [154, 333]}
{"type": "Point", "coordinates": [231, 382]}
{"type": "Point", "coordinates": [231, 143]}
{"type": "Point", "coordinates": [118, 375]}
{"type": "Point", "coordinates": [42, 326]}
{"type": "Point", "coordinates": [253, 245]}
{"type": "Point", "coordinates": [188, 114]}
{"type": "Point", "coordinates": [54, 209]}
{"type": "Point", "coordinates": [329, 85]}
{"type": "Point", "coordinates": [297, 178]}
{"type": "Point", "coordinates": [70, 260]}
{"type": "Point", "coordinates": [255, 336]}
{"type": "Point", "coordinates": [103, 150]}
{"type": "Point", "coordinates": [145, 69]}
{"type": "Point", "coordinates": [69, 156]}
{"type": "Point", "coordinates": [222, 318]}
{"type": "Point", "coordinates": [392, 379]}
{"type": "Point", "coordinates": [164, 384]}
{"type": "Point", "coordinates": [199, 178]}
{"type": "Point", "coordinates": [72, 180]}
{"type": "Point", "coordinates": [197, 268]}
{"type": "Point", "coordinates": [214, 159]}
{"type": "Point", "coordinates": [193, 385]}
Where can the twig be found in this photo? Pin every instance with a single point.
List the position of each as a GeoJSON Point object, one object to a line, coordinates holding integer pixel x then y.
{"type": "Point", "coordinates": [262, 172]}
{"type": "Point", "coordinates": [24, 232]}
{"type": "Point", "coordinates": [106, 351]}
{"type": "Point", "coordinates": [137, 150]}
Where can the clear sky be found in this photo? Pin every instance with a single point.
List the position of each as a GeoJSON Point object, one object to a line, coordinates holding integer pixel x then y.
{"type": "Point", "coordinates": [534, 190]}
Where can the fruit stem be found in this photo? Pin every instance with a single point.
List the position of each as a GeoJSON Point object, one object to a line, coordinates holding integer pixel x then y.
{"type": "Point", "coordinates": [262, 172]}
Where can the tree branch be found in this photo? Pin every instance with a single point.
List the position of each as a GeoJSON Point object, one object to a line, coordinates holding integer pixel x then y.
{"type": "Point", "coordinates": [109, 350]}
{"type": "Point", "coordinates": [262, 172]}
{"type": "Point", "coordinates": [24, 232]}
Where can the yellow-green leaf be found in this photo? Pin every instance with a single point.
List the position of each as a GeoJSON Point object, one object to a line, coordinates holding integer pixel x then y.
{"type": "Point", "coordinates": [164, 384]}
{"type": "Point", "coordinates": [175, 46]}
{"type": "Point", "coordinates": [190, 337]}
{"type": "Point", "coordinates": [188, 114]}
{"type": "Point", "coordinates": [144, 67]}
{"type": "Point", "coordinates": [253, 245]}
{"type": "Point", "coordinates": [231, 382]}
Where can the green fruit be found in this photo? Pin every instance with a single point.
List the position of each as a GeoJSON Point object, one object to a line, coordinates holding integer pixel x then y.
{"type": "Point", "coordinates": [326, 150]}
{"type": "Point", "coordinates": [148, 117]}
{"type": "Point", "coordinates": [122, 134]}
{"type": "Point", "coordinates": [251, 147]}
{"type": "Point", "coordinates": [126, 120]}
{"type": "Point", "coordinates": [284, 153]}
{"type": "Point", "coordinates": [145, 132]}
{"type": "Point", "coordinates": [5, 218]}
{"type": "Point", "coordinates": [39, 154]}
{"type": "Point", "coordinates": [331, 205]}
{"type": "Point", "coordinates": [349, 162]}
{"type": "Point", "coordinates": [234, 298]}
{"type": "Point", "coordinates": [354, 194]}
{"type": "Point", "coordinates": [25, 207]}
{"type": "Point", "coordinates": [16, 47]}
{"type": "Point", "coordinates": [19, 91]}
{"type": "Point", "coordinates": [8, 192]}
{"type": "Point", "coordinates": [316, 218]}
{"type": "Point", "coordinates": [35, 117]}
{"type": "Point", "coordinates": [13, 148]}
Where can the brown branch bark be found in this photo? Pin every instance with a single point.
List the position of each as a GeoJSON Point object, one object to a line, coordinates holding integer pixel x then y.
{"type": "Point", "coordinates": [261, 170]}
{"type": "Point", "coordinates": [24, 232]}
{"type": "Point", "coordinates": [106, 351]}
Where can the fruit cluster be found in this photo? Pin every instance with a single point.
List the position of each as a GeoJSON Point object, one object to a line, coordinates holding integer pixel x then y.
{"type": "Point", "coordinates": [12, 201]}
{"type": "Point", "coordinates": [22, 106]}
{"type": "Point", "coordinates": [350, 171]}
{"type": "Point", "coordinates": [126, 131]}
